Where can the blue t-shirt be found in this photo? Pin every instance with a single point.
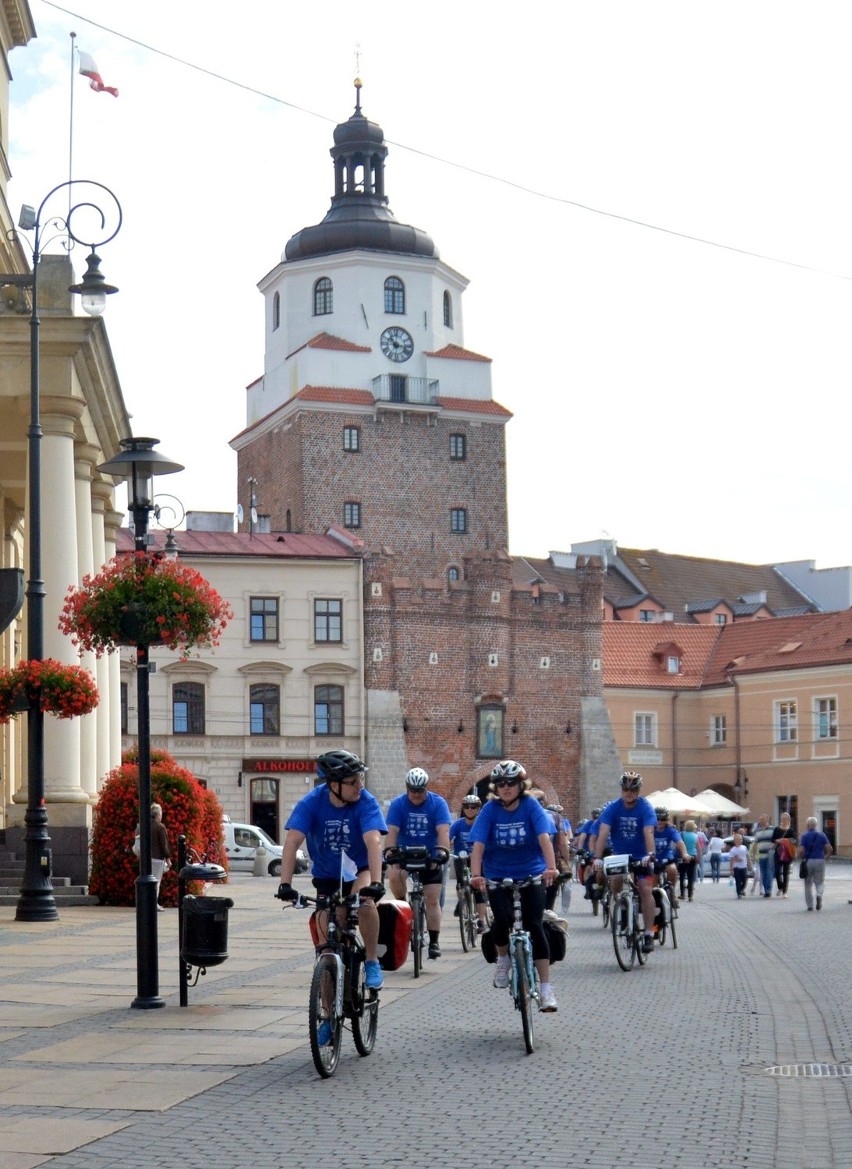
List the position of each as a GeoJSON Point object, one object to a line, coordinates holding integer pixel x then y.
{"type": "Point", "coordinates": [418, 824]}
{"type": "Point", "coordinates": [813, 844]}
{"type": "Point", "coordinates": [329, 830]}
{"type": "Point", "coordinates": [512, 847]}
{"type": "Point", "coordinates": [626, 826]}
{"type": "Point", "coordinates": [666, 840]}
{"type": "Point", "coordinates": [459, 835]}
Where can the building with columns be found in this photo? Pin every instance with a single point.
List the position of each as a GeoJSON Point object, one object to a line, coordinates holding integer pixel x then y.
{"type": "Point", "coordinates": [372, 414]}
{"type": "Point", "coordinates": [83, 416]}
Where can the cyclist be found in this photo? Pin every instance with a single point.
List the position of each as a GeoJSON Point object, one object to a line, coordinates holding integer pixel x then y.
{"type": "Point", "coordinates": [511, 838]}
{"type": "Point", "coordinates": [564, 854]}
{"type": "Point", "coordinates": [420, 818]}
{"type": "Point", "coordinates": [628, 826]}
{"type": "Point", "coordinates": [343, 825]}
{"type": "Point", "coordinates": [669, 846]}
{"type": "Point", "coordinates": [459, 842]}
{"type": "Point", "coordinates": [591, 880]}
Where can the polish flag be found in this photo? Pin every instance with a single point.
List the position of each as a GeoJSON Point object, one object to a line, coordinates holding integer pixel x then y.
{"type": "Point", "coordinates": [89, 69]}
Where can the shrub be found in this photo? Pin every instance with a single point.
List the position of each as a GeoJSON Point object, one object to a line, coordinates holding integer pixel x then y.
{"type": "Point", "coordinates": [189, 809]}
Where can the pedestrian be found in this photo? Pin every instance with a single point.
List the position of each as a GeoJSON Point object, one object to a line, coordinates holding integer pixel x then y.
{"type": "Point", "coordinates": [161, 853]}
{"type": "Point", "coordinates": [814, 849]}
{"type": "Point", "coordinates": [715, 848]}
{"type": "Point", "coordinates": [702, 848]}
{"type": "Point", "coordinates": [739, 864]}
{"type": "Point", "coordinates": [753, 866]}
{"type": "Point", "coordinates": [686, 868]}
{"type": "Point", "coordinates": [785, 852]}
{"type": "Point", "coordinates": [764, 839]}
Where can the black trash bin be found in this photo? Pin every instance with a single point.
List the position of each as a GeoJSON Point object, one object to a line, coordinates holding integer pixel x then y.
{"type": "Point", "coordinates": [205, 930]}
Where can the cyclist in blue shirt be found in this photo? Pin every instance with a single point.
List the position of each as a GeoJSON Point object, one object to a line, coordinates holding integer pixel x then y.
{"type": "Point", "coordinates": [669, 846]}
{"type": "Point", "coordinates": [460, 843]}
{"type": "Point", "coordinates": [343, 825]}
{"type": "Point", "coordinates": [420, 818]}
{"type": "Point", "coordinates": [512, 838]}
{"type": "Point", "coordinates": [628, 826]}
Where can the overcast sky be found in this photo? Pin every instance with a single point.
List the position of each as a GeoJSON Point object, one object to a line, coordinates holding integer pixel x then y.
{"type": "Point", "coordinates": [668, 392]}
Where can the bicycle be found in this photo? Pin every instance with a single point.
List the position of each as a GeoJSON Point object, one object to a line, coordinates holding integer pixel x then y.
{"type": "Point", "coordinates": [665, 901]}
{"type": "Point", "coordinates": [338, 991]}
{"type": "Point", "coordinates": [416, 860]}
{"type": "Point", "coordinates": [522, 979]}
{"type": "Point", "coordinates": [627, 931]}
{"type": "Point", "coordinates": [468, 916]}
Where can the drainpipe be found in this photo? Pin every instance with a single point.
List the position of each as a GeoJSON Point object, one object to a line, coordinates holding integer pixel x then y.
{"type": "Point", "coordinates": [737, 749]}
{"type": "Point", "coordinates": [363, 663]}
{"type": "Point", "coordinates": [675, 697]}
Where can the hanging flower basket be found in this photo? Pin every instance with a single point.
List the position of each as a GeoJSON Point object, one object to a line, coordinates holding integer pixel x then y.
{"type": "Point", "coordinates": [64, 691]}
{"type": "Point", "coordinates": [144, 600]}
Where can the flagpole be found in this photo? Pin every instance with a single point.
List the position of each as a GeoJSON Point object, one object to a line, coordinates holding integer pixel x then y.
{"type": "Point", "coordinates": [71, 123]}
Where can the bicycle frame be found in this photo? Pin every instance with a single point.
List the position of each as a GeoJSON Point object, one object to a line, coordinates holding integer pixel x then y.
{"type": "Point", "coordinates": [522, 980]}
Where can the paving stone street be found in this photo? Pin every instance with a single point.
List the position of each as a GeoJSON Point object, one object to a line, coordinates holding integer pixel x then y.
{"type": "Point", "coordinates": [729, 1052]}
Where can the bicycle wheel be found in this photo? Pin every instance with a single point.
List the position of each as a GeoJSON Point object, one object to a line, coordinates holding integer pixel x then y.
{"type": "Point", "coordinates": [465, 923]}
{"type": "Point", "coordinates": [418, 930]}
{"type": "Point", "coordinates": [324, 1023]}
{"type": "Point", "coordinates": [622, 935]}
{"type": "Point", "coordinates": [673, 928]}
{"type": "Point", "coordinates": [595, 905]}
{"type": "Point", "coordinates": [605, 907]}
{"type": "Point", "coordinates": [523, 994]}
{"type": "Point", "coordinates": [638, 933]}
{"type": "Point", "coordinates": [365, 1022]}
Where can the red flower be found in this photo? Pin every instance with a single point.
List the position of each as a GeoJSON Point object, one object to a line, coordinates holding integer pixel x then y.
{"type": "Point", "coordinates": [57, 689]}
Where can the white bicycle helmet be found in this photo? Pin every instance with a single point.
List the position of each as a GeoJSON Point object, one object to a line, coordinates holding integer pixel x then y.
{"type": "Point", "coordinates": [417, 779]}
{"type": "Point", "coordinates": [508, 769]}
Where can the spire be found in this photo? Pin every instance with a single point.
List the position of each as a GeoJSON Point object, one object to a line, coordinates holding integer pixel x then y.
{"type": "Point", "coordinates": [359, 217]}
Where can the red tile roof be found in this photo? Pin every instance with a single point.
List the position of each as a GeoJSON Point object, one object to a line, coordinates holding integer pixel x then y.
{"type": "Point", "coordinates": [629, 659]}
{"type": "Point", "coordinates": [283, 545]}
{"type": "Point", "coordinates": [458, 354]}
{"type": "Point", "coordinates": [329, 341]}
{"type": "Point", "coordinates": [474, 406]}
{"type": "Point", "coordinates": [341, 394]}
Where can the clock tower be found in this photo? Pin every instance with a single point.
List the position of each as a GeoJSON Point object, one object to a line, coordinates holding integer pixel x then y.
{"type": "Point", "coordinates": [371, 414]}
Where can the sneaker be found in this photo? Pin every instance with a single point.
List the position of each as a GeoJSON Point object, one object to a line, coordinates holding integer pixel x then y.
{"type": "Point", "coordinates": [501, 974]}
{"type": "Point", "coordinates": [480, 927]}
{"type": "Point", "coordinates": [373, 977]}
{"type": "Point", "coordinates": [434, 950]}
{"type": "Point", "coordinates": [324, 1034]}
{"type": "Point", "coordinates": [457, 910]}
{"type": "Point", "coordinates": [161, 909]}
{"type": "Point", "coordinates": [547, 999]}
{"type": "Point", "coordinates": [819, 902]}
{"type": "Point", "coordinates": [648, 944]}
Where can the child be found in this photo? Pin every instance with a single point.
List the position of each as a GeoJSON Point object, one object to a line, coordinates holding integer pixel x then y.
{"type": "Point", "coordinates": [739, 864]}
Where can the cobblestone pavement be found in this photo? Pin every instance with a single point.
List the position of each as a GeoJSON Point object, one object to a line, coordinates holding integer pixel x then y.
{"type": "Point", "coordinates": [663, 1065]}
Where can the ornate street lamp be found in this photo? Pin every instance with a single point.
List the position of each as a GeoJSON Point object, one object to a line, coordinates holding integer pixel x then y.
{"type": "Point", "coordinates": [36, 902]}
{"type": "Point", "coordinates": [138, 463]}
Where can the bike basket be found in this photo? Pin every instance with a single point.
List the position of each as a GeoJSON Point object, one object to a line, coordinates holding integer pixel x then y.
{"type": "Point", "coordinates": [616, 866]}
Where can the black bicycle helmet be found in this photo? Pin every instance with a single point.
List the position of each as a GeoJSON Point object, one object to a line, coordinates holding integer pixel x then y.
{"type": "Point", "coordinates": [596, 812]}
{"type": "Point", "coordinates": [631, 781]}
{"type": "Point", "coordinates": [661, 813]}
{"type": "Point", "coordinates": [471, 802]}
{"type": "Point", "coordinates": [508, 769]}
{"type": "Point", "coordinates": [339, 766]}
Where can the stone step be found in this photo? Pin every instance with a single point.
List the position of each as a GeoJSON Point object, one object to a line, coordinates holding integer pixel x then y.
{"type": "Point", "coordinates": [13, 879]}
{"type": "Point", "coordinates": [63, 895]}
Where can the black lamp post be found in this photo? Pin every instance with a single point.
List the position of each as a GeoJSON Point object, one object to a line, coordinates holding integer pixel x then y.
{"type": "Point", "coordinates": [36, 902]}
{"type": "Point", "coordinates": [138, 463]}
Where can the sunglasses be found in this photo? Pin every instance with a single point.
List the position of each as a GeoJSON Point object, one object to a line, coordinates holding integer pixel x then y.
{"type": "Point", "coordinates": [506, 782]}
{"type": "Point", "coordinates": [352, 782]}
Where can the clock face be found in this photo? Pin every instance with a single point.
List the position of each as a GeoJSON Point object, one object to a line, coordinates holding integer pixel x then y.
{"type": "Point", "coordinates": [397, 344]}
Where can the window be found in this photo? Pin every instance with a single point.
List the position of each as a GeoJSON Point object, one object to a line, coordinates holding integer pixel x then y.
{"type": "Point", "coordinates": [323, 297]}
{"type": "Point", "coordinates": [718, 730]}
{"type": "Point", "coordinates": [188, 708]}
{"type": "Point", "coordinates": [458, 519]}
{"type": "Point", "coordinates": [786, 721]}
{"type": "Point", "coordinates": [264, 709]}
{"type": "Point", "coordinates": [452, 573]}
{"type": "Point", "coordinates": [644, 730]}
{"type": "Point", "coordinates": [672, 664]}
{"type": "Point", "coordinates": [328, 710]}
{"type": "Point", "coordinates": [647, 614]}
{"type": "Point", "coordinates": [352, 515]}
{"type": "Point", "coordinates": [124, 706]}
{"type": "Point", "coordinates": [458, 446]}
{"type": "Point", "coordinates": [448, 310]}
{"type": "Point", "coordinates": [328, 620]}
{"type": "Point", "coordinates": [394, 295]}
{"type": "Point", "coordinates": [720, 618]}
{"type": "Point", "coordinates": [263, 619]}
{"type": "Point", "coordinates": [351, 438]}
{"type": "Point", "coordinates": [276, 311]}
{"type": "Point", "coordinates": [825, 717]}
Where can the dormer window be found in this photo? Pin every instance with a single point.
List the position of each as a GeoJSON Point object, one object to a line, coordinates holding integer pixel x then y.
{"type": "Point", "coordinates": [672, 664]}
{"type": "Point", "coordinates": [394, 295]}
{"type": "Point", "coordinates": [448, 311]}
{"type": "Point", "coordinates": [323, 297]}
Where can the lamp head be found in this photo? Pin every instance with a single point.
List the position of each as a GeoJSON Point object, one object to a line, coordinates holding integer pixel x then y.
{"type": "Point", "coordinates": [138, 463]}
{"type": "Point", "coordinates": [93, 288]}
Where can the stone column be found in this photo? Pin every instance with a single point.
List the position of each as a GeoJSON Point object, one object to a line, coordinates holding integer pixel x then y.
{"type": "Point", "coordinates": [111, 663]}
{"type": "Point", "coordinates": [86, 459]}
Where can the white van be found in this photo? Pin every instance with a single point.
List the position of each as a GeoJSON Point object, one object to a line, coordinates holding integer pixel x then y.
{"type": "Point", "coordinates": [243, 840]}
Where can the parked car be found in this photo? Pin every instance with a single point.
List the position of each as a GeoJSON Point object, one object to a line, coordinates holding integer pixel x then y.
{"type": "Point", "coordinates": [242, 842]}
{"type": "Point", "coordinates": [725, 867]}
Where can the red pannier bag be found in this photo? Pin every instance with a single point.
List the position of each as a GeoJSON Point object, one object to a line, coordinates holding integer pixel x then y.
{"type": "Point", "coordinates": [395, 919]}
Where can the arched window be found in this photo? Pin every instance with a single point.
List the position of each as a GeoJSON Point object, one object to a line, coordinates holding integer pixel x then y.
{"type": "Point", "coordinates": [276, 311]}
{"type": "Point", "coordinates": [452, 573]}
{"type": "Point", "coordinates": [448, 310]}
{"type": "Point", "coordinates": [323, 297]}
{"type": "Point", "coordinates": [394, 295]}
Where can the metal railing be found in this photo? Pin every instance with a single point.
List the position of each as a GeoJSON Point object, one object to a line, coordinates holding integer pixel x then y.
{"type": "Point", "coordinates": [419, 391]}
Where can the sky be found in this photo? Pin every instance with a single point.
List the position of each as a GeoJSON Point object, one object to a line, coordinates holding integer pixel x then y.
{"type": "Point", "coordinates": [651, 202]}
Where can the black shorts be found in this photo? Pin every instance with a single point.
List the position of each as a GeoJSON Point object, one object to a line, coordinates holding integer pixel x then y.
{"type": "Point", "coordinates": [332, 884]}
{"type": "Point", "coordinates": [433, 875]}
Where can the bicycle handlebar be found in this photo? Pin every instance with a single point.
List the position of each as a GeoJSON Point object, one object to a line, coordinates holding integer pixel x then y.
{"type": "Point", "coordinates": [416, 856]}
{"type": "Point", "coordinates": [508, 883]}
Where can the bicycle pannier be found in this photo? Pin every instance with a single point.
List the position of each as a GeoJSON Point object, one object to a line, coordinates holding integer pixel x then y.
{"type": "Point", "coordinates": [556, 940]}
{"type": "Point", "coordinates": [489, 950]}
{"type": "Point", "coordinates": [395, 919]}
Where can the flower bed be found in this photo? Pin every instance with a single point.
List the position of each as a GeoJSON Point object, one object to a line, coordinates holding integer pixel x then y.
{"type": "Point", "coordinates": [57, 689]}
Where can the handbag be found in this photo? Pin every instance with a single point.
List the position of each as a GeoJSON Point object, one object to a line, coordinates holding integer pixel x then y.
{"type": "Point", "coordinates": [803, 869]}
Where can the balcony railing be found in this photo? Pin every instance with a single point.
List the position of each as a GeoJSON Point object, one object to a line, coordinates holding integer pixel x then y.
{"type": "Point", "coordinates": [396, 387]}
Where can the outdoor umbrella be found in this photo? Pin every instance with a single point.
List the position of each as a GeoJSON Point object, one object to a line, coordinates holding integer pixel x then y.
{"type": "Point", "coordinates": [720, 805]}
{"type": "Point", "coordinates": [679, 803]}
